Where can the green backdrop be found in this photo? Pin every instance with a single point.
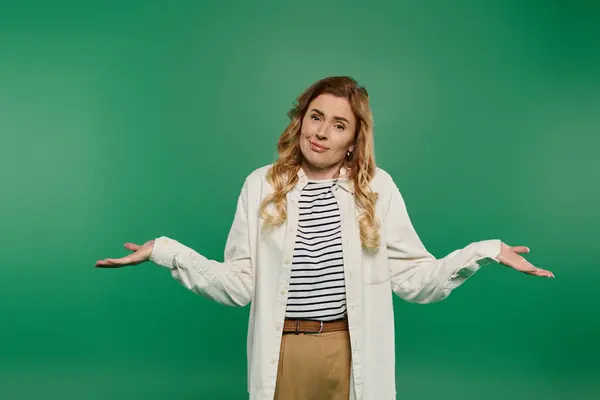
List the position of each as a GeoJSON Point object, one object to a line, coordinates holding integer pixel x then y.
{"type": "Point", "coordinates": [125, 121]}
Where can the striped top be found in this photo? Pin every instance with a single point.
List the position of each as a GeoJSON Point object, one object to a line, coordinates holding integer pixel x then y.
{"type": "Point", "coordinates": [317, 279]}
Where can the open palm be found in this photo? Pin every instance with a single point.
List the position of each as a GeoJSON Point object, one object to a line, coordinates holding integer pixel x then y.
{"type": "Point", "coordinates": [140, 254]}
{"type": "Point", "coordinates": [510, 257]}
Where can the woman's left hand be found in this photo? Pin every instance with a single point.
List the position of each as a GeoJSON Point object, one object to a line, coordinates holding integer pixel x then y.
{"type": "Point", "coordinates": [510, 257]}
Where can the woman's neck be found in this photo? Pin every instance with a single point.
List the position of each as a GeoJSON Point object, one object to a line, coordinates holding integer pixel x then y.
{"type": "Point", "coordinates": [317, 174]}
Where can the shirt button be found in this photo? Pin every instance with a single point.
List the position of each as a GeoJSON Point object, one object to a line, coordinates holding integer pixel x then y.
{"type": "Point", "coordinates": [283, 292]}
{"type": "Point", "coordinates": [287, 261]}
{"type": "Point", "coordinates": [273, 361]}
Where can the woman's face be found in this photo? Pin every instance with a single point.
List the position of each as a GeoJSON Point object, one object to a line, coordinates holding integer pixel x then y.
{"type": "Point", "coordinates": [326, 136]}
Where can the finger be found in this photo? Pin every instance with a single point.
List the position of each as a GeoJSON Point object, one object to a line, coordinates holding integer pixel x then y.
{"type": "Point", "coordinates": [131, 259]}
{"type": "Point", "coordinates": [132, 246]}
{"type": "Point", "coordinates": [540, 272]}
{"type": "Point", "coordinates": [530, 269]}
{"type": "Point", "coordinates": [107, 264]}
{"type": "Point", "coordinates": [521, 249]}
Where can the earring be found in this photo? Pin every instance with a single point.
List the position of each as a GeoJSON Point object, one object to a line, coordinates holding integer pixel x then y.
{"type": "Point", "coordinates": [349, 153]}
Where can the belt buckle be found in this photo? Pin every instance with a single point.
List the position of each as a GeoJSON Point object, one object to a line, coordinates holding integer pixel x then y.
{"type": "Point", "coordinates": [297, 327]}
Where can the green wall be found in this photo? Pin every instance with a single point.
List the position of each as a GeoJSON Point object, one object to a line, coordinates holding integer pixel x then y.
{"type": "Point", "coordinates": [119, 120]}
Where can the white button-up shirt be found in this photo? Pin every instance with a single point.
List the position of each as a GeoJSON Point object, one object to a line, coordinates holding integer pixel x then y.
{"type": "Point", "coordinates": [257, 267]}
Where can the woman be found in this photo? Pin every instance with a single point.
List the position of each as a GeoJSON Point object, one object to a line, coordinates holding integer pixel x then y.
{"type": "Point", "coordinates": [320, 240]}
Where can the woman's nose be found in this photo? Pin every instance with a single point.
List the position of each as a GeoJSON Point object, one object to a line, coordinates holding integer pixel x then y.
{"type": "Point", "coordinates": [322, 133]}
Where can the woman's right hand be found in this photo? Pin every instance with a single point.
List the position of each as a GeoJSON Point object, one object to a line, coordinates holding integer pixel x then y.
{"type": "Point", "coordinates": [141, 254]}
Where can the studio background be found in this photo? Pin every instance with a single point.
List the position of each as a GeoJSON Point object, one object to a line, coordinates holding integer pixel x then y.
{"type": "Point", "coordinates": [125, 121]}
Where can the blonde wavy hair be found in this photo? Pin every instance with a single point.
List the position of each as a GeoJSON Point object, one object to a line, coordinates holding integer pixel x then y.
{"type": "Point", "coordinates": [360, 164]}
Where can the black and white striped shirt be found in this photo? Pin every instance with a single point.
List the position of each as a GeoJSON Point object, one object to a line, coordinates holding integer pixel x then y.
{"type": "Point", "coordinates": [317, 282]}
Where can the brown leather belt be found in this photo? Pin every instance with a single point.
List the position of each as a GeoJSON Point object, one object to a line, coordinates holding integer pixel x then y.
{"type": "Point", "coordinates": [309, 326]}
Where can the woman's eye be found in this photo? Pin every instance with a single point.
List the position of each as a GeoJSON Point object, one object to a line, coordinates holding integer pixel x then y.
{"type": "Point", "coordinates": [340, 126]}
{"type": "Point", "coordinates": [315, 117]}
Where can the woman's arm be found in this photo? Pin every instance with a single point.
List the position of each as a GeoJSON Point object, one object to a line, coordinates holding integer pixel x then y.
{"type": "Point", "coordinates": [416, 275]}
{"type": "Point", "coordinates": [229, 282]}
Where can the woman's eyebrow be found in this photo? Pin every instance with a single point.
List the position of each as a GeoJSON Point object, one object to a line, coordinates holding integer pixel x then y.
{"type": "Point", "coordinates": [322, 114]}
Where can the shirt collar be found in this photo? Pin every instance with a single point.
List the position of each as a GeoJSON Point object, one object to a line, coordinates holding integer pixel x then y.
{"type": "Point", "coordinates": [343, 181]}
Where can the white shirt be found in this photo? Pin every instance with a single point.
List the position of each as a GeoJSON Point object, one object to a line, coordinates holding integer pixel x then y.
{"type": "Point", "coordinates": [255, 259]}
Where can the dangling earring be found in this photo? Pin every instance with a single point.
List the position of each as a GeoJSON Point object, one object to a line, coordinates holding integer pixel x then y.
{"type": "Point", "coordinates": [349, 153]}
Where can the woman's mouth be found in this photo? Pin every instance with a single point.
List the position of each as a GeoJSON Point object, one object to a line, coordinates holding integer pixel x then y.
{"type": "Point", "coordinates": [315, 147]}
